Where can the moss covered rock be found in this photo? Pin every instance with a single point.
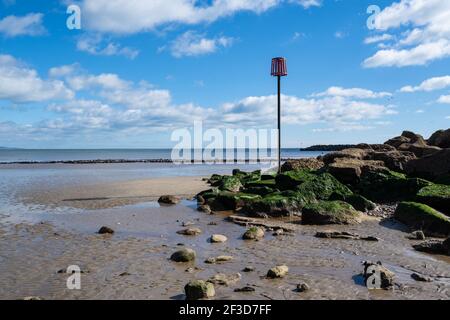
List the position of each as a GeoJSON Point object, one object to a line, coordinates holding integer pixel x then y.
{"type": "Point", "coordinates": [389, 186]}
{"type": "Point", "coordinates": [275, 205]}
{"type": "Point", "coordinates": [291, 179]}
{"type": "Point", "coordinates": [422, 217]}
{"type": "Point", "coordinates": [436, 196]}
{"type": "Point", "coordinates": [230, 183]}
{"type": "Point", "coordinates": [225, 200]}
{"type": "Point", "coordinates": [322, 186]}
{"type": "Point", "coordinates": [253, 233]}
{"type": "Point", "coordinates": [184, 255]}
{"type": "Point", "coordinates": [358, 202]}
{"type": "Point", "coordinates": [330, 212]}
{"type": "Point", "coordinates": [247, 177]}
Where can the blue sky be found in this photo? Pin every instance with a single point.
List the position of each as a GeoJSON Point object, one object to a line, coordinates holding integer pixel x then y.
{"type": "Point", "coordinates": [137, 70]}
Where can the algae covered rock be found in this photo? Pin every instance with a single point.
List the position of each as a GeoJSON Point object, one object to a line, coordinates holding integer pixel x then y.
{"type": "Point", "coordinates": [253, 233]}
{"type": "Point", "coordinates": [184, 255]}
{"type": "Point", "coordinates": [226, 200]}
{"type": "Point", "coordinates": [275, 205]}
{"type": "Point", "coordinates": [358, 202]}
{"type": "Point", "coordinates": [436, 196]}
{"type": "Point", "coordinates": [199, 289]}
{"type": "Point", "coordinates": [232, 184]}
{"type": "Point", "coordinates": [330, 212]}
{"type": "Point", "coordinates": [420, 216]}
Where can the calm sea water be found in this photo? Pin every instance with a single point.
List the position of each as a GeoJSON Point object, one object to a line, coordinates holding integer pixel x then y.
{"type": "Point", "coordinates": [26, 155]}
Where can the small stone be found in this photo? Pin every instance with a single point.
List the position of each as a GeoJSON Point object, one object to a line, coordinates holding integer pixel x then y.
{"type": "Point", "coordinates": [212, 224]}
{"type": "Point", "coordinates": [278, 272]}
{"type": "Point", "coordinates": [302, 287]}
{"type": "Point", "coordinates": [204, 208]}
{"type": "Point", "coordinates": [211, 261]}
{"type": "Point", "coordinates": [278, 232]}
{"type": "Point", "coordinates": [372, 271]}
{"type": "Point", "coordinates": [417, 235]}
{"type": "Point", "coordinates": [190, 232]}
{"type": "Point", "coordinates": [253, 233]}
{"type": "Point", "coordinates": [249, 269]}
{"type": "Point", "coordinates": [218, 238]}
{"type": "Point", "coordinates": [187, 224]}
{"type": "Point", "coordinates": [124, 274]}
{"type": "Point", "coordinates": [199, 289]}
{"type": "Point", "coordinates": [245, 289]}
{"type": "Point", "coordinates": [171, 200]}
{"type": "Point", "coordinates": [184, 255]}
{"type": "Point", "coordinates": [421, 278]}
{"type": "Point", "coordinates": [225, 280]}
{"type": "Point", "coordinates": [32, 298]}
{"type": "Point", "coordinates": [105, 230]}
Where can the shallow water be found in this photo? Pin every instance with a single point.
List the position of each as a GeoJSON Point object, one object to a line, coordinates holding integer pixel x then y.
{"type": "Point", "coordinates": [33, 252]}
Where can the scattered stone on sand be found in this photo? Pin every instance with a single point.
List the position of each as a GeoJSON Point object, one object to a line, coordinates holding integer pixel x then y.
{"type": "Point", "coordinates": [190, 232]}
{"type": "Point", "coordinates": [105, 230]}
{"type": "Point", "coordinates": [224, 279]}
{"type": "Point", "coordinates": [204, 208]}
{"type": "Point", "coordinates": [168, 199]}
{"type": "Point", "coordinates": [199, 289]}
{"type": "Point", "coordinates": [343, 235]}
{"type": "Point", "coordinates": [253, 233]}
{"type": "Point", "coordinates": [218, 259]}
{"type": "Point", "coordinates": [184, 255]}
{"type": "Point", "coordinates": [218, 238]}
{"type": "Point", "coordinates": [434, 247]}
{"type": "Point", "coordinates": [421, 278]}
{"type": "Point", "coordinates": [187, 224]}
{"type": "Point", "coordinates": [245, 289]}
{"type": "Point", "coordinates": [278, 272]}
{"type": "Point", "coordinates": [377, 276]}
{"type": "Point", "coordinates": [249, 269]}
{"type": "Point", "coordinates": [383, 211]}
{"type": "Point", "coordinates": [245, 221]}
{"type": "Point", "coordinates": [416, 235]}
{"type": "Point", "coordinates": [302, 287]}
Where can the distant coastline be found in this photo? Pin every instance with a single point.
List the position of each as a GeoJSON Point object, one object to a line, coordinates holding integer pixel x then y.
{"type": "Point", "coordinates": [330, 147]}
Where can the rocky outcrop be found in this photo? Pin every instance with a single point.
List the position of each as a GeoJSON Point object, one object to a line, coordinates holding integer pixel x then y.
{"type": "Point", "coordinates": [422, 217]}
{"type": "Point", "coordinates": [430, 167]}
{"type": "Point", "coordinates": [301, 164]}
{"type": "Point", "coordinates": [440, 139]}
{"type": "Point", "coordinates": [412, 142]}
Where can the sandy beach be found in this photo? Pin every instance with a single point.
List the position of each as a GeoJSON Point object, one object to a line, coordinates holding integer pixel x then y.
{"type": "Point", "coordinates": [134, 262]}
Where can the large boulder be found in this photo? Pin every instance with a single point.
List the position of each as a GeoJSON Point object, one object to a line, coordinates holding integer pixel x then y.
{"type": "Point", "coordinates": [349, 170]}
{"type": "Point", "coordinates": [422, 217]}
{"type": "Point", "coordinates": [436, 196]}
{"type": "Point", "coordinates": [389, 186]}
{"type": "Point", "coordinates": [230, 183]}
{"type": "Point", "coordinates": [412, 142]}
{"type": "Point", "coordinates": [275, 205]}
{"type": "Point", "coordinates": [353, 153]}
{"type": "Point", "coordinates": [393, 160]}
{"type": "Point", "coordinates": [440, 139]}
{"type": "Point", "coordinates": [302, 164]}
{"type": "Point", "coordinates": [229, 201]}
{"type": "Point", "coordinates": [330, 212]}
{"type": "Point", "coordinates": [430, 167]}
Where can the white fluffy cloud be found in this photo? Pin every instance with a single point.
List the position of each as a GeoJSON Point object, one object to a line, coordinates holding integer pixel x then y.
{"type": "Point", "coordinates": [424, 33]}
{"type": "Point", "coordinates": [353, 93]}
{"type": "Point", "coordinates": [20, 84]}
{"type": "Point", "coordinates": [131, 16]}
{"type": "Point", "coordinates": [432, 84]}
{"type": "Point", "coordinates": [444, 99]}
{"type": "Point", "coordinates": [94, 45]}
{"type": "Point", "coordinates": [29, 25]}
{"type": "Point", "coordinates": [193, 44]}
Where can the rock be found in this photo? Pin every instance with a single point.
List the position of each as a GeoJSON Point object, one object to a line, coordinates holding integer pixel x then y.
{"type": "Point", "coordinates": [440, 139]}
{"type": "Point", "coordinates": [218, 238]}
{"type": "Point", "coordinates": [184, 255]}
{"type": "Point", "coordinates": [219, 259]}
{"type": "Point", "coordinates": [330, 212]}
{"type": "Point", "coordinates": [301, 164]}
{"type": "Point", "coordinates": [190, 232]}
{"type": "Point", "coordinates": [232, 184]}
{"type": "Point", "coordinates": [226, 201]}
{"type": "Point", "coordinates": [436, 196]}
{"type": "Point", "coordinates": [278, 272]}
{"type": "Point", "coordinates": [417, 235]}
{"type": "Point", "coordinates": [248, 269]}
{"type": "Point", "coordinates": [434, 247]}
{"type": "Point", "coordinates": [358, 202]}
{"type": "Point", "coordinates": [31, 298]}
{"type": "Point", "coordinates": [245, 289]}
{"type": "Point", "coordinates": [430, 167]}
{"type": "Point", "coordinates": [421, 278]}
{"type": "Point", "coordinates": [343, 235]}
{"type": "Point", "coordinates": [419, 150]}
{"type": "Point", "coordinates": [187, 223]}
{"type": "Point", "coordinates": [274, 205]}
{"type": "Point", "coordinates": [352, 153]}
{"type": "Point", "coordinates": [302, 287]}
{"type": "Point", "coordinates": [225, 280]}
{"type": "Point", "coordinates": [105, 230]}
{"type": "Point", "coordinates": [397, 141]}
{"type": "Point", "coordinates": [253, 233]}
{"type": "Point", "coordinates": [199, 289]}
{"type": "Point", "coordinates": [278, 232]}
{"type": "Point", "coordinates": [349, 171]}
{"type": "Point", "coordinates": [372, 270]}
{"type": "Point", "coordinates": [170, 200]}
{"type": "Point", "coordinates": [204, 208]}
{"type": "Point", "coordinates": [423, 217]}
{"type": "Point", "coordinates": [393, 160]}
{"type": "Point", "coordinates": [389, 186]}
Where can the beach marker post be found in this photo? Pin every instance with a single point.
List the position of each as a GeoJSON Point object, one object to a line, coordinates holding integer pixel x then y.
{"type": "Point", "coordinates": [279, 69]}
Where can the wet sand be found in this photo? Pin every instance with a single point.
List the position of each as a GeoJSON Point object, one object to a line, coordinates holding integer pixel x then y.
{"type": "Point", "coordinates": [133, 263]}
